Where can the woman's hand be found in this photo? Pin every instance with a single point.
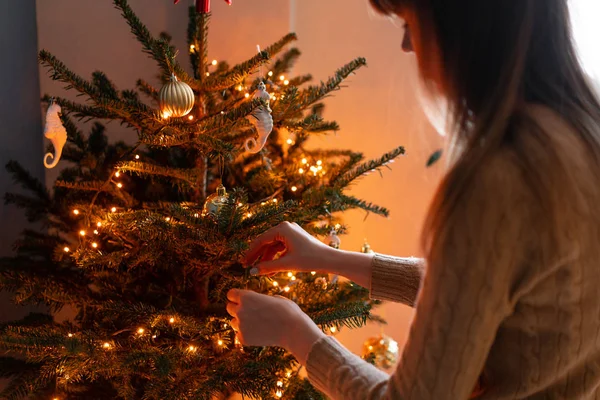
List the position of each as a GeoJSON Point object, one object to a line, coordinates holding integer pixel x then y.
{"type": "Point", "coordinates": [301, 252]}
{"type": "Point", "coordinates": [298, 250]}
{"type": "Point", "coordinates": [262, 320]}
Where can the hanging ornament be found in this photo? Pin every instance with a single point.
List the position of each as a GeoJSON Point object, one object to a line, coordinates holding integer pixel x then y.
{"type": "Point", "coordinates": [381, 351]}
{"type": "Point", "coordinates": [56, 133]}
{"type": "Point", "coordinates": [366, 248]}
{"type": "Point", "coordinates": [215, 202]}
{"type": "Point", "coordinates": [203, 6]}
{"type": "Point", "coordinates": [176, 98]}
{"type": "Point", "coordinates": [262, 120]}
{"type": "Point", "coordinates": [333, 240]}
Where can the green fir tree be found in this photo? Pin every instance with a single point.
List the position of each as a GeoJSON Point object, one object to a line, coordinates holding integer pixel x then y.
{"type": "Point", "coordinates": [126, 245]}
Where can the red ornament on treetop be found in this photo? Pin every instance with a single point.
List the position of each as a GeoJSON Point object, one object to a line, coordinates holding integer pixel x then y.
{"type": "Point", "coordinates": [203, 6]}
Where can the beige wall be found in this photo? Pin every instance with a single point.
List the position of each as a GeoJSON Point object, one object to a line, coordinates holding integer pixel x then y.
{"type": "Point", "coordinates": [377, 110]}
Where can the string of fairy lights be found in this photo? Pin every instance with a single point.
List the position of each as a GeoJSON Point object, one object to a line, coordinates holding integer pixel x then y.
{"type": "Point", "coordinates": [305, 168]}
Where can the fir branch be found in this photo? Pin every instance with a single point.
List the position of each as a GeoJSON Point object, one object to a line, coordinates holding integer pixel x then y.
{"type": "Point", "coordinates": [27, 181]}
{"type": "Point", "coordinates": [60, 72]}
{"type": "Point", "coordinates": [104, 86]}
{"type": "Point", "coordinates": [297, 101]}
{"type": "Point", "coordinates": [314, 123]}
{"type": "Point", "coordinates": [236, 75]}
{"type": "Point", "coordinates": [351, 315]}
{"type": "Point", "coordinates": [91, 186]}
{"type": "Point", "coordinates": [146, 169]}
{"type": "Point", "coordinates": [349, 177]}
{"type": "Point", "coordinates": [147, 89]}
{"type": "Point", "coordinates": [353, 202]}
{"type": "Point", "coordinates": [276, 47]}
{"type": "Point", "coordinates": [286, 62]}
{"type": "Point", "coordinates": [85, 112]}
{"type": "Point", "coordinates": [158, 49]}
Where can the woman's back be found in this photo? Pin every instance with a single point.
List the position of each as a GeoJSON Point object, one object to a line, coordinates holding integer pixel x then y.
{"type": "Point", "coordinates": [549, 347]}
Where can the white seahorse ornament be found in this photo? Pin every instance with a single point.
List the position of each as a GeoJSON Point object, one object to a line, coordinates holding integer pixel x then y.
{"type": "Point", "coordinates": [262, 120]}
{"type": "Point", "coordinates": [56, 133]}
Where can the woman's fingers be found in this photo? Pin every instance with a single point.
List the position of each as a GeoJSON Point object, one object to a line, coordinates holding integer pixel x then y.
{"type": "Point", "coordinates": [271, 267]}
{"type": "Point", "coordinates": [234, 295]}
{"type": "Point", "coordinates": [235, 324]}
{"type": "Point", "coordinates": [256, 246]}
{"type": "Point", "coordinates": [232, 309]}
{"type": "Point", "coordinates": [271, 250]}
{"type": "Point", "coordinates": [279, 234]}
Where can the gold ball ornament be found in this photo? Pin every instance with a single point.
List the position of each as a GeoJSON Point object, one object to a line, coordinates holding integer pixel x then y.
{"type": "Point", "coordinates": [215, 202]}
{"type": "Point", "coordinates": [366, 248]}
{"type": "Point", "coordinates": [176, 98]}
{"type": "Point", "coordinates": [382, 351]}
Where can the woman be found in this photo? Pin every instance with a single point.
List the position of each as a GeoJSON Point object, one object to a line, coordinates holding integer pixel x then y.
{"type": "Point", "coordinates": [508, 303]}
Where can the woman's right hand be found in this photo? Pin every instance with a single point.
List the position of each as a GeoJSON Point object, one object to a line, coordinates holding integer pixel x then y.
{"type": "Point", "coordinates": [297, 250]}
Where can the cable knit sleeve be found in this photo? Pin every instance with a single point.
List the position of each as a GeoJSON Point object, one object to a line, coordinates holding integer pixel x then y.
{"type": "Point", "coordinates": [463, 300]}
{"type": "Point", "coordinates": [396, 279]}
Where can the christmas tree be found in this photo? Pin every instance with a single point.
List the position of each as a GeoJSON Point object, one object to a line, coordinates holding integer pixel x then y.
{"type": "Point", "coordinates": [143, 241]}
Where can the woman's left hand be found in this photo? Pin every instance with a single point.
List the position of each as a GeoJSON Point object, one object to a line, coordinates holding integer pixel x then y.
{"type": "Point", "coordinates": [262, 320]}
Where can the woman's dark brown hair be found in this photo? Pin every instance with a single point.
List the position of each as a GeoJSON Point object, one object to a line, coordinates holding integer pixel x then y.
{"type": "Point", "coordinates": [496, 56]}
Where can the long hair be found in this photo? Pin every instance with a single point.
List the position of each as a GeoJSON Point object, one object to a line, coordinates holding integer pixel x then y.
{"type": "Point", "coordinates": [497, 56]}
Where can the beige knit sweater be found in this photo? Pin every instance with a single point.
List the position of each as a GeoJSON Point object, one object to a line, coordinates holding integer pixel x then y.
{"type": "Point", "coordinates": [513, 295]}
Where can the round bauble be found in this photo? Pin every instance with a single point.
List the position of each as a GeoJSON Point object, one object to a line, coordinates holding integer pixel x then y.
{"type": "Point", "coordinates": [215, 202]}
{"type": "Point", "coordinates": [176, 98]}
{"type": "Point", "coordinates": [366, 248]}
{"type": "Point", "coordinates": [382, 351]}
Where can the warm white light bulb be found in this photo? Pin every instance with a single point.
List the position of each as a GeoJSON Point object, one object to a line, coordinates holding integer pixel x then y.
{"type": "Point", "coordinates": [270, 73]}
{"type": "Point", "coordinates": [66, 249]}
{"type": "Point", "coordinates": [119, 185]}
{"type": "Point", "coordinates": [275, 283]}
{"type": "Point", "coordinates": [294, 188]}
{"type": "Point", "coordinates": [140, 330]}
{"type": "Point", "coordinates": [287, 288]}
{"type": "Point", "coordinates": [247, 95]}
{"type": "Point", "coordinates": [95, 245]}
{"type": "Point", "coordinates": [171, 320]}
{"type": "Point", "coordinates": [118, 174]}
{"type": "Point", "coordinates": [286, 82]}
{"type": "Point", "coordinates": [214, 62]}
{"type": "Point", "coordinates": [106, 345]}
{"type": "Point", "coordinates": [76, 212]}
{"type": "Point", "coordinates": [82, 233]}
{"type": "Point", "coordinates": [114, 209]}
